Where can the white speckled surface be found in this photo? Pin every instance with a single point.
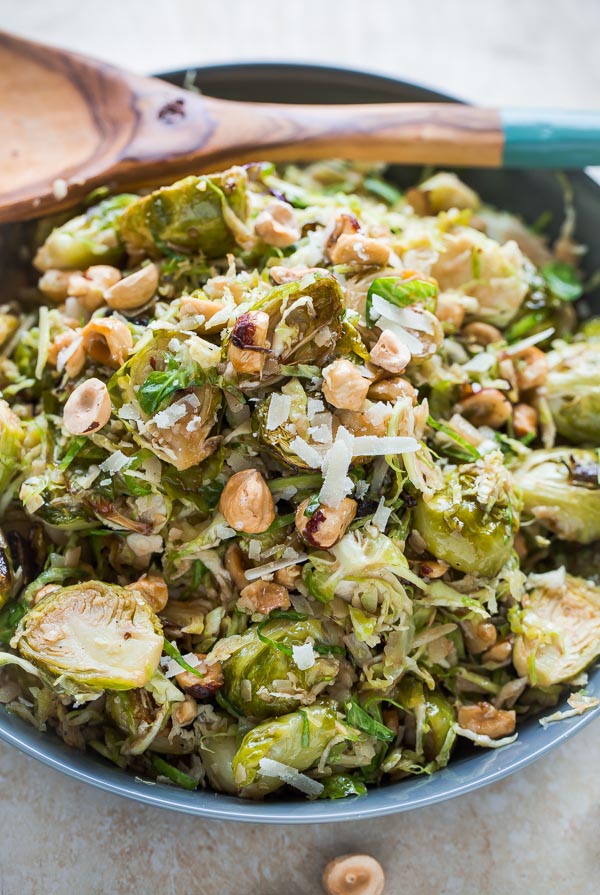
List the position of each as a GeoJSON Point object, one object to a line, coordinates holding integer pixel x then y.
{"type": "Point", "coordinates": [533, 833]}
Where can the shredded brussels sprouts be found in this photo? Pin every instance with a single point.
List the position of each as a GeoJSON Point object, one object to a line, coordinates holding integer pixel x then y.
{"type": "Point", "coordinates": [295, 474]}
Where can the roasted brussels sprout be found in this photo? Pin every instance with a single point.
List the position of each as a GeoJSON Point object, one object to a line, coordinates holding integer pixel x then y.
{"type": "Point", "coordinates": [573, 391]}
{"type": "Point", "coordinates": [166, 394]}
{"type": "Point", "coordinates": [217, 751]}
{"type": "Point", "coordinates": [442, 192]}
{"type": "Point", "coordinates": [471, 522]}
{"type": "Point", "coordinates": [263, 678]}
{"type": "Point", "coordinates": [363, 563]}
{"type": "Point", "coordinates": [203, 213]}
{"type": "Point", "coordinates": [137, 714]}
{"type": "Point", "coordinates": [561, 490]}
{"type": "Point", "coordinates": [99, 636]}
{"type": "Point", "coordinates": [296, 740]}
{"type": "Point", "coordinates": [305, 323]}
{"type": "Point", "coordinates": [430, 708]}
{"type": "Point", "coordinates": [558, 628]}
{"type": "Point", "coordinates": [90, 238]}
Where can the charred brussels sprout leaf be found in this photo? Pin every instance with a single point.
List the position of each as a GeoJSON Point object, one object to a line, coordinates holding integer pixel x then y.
{"type": "Point", "coordinates": [280, 739]}
{"type": "Point", "coordinates": [99, 636]}
{"type": "Point", "coordinates": [305, 322]}
{"type": "Point", "coordinates": [90, 238]}
{"type": "Point", "coordinates": [459, 526]}
{"type": "Point", "coordinates": [560, 492]}
{"type": "Point", "coordinates": [193, 214]}
{"type": "Point", "coordinates": [266, 658]}
{"type": "Point", "coordinates": [558, 629]}
{"type": "Point", "coordinates": [6, 571]}
{"type": "Point", "coordinates": [136, 713]}
{"type": "Point", "coordinates": [573, 391]}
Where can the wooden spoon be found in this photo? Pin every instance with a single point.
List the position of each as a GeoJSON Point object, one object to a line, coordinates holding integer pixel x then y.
{"type": "Point", "coordinates": [70, 124]}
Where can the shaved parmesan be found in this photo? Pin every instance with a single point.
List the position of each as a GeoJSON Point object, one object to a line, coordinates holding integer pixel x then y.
{"type": "Point", "coordinates": [381, 515]}
{"type": "Point", "coordinates": [115, 462]}
{"type": "Point", "coordinates": [304, 656]}
{"type": "Point", "coordinates": [271, 768]}
{"type": "Point", "coordinates": [269, 568]}
{"type": "Point", "coordinates": [129, 412]}
{"type": "Point", "coordinates": [480, 363]}
{"type": "Point", "coordinates": [408, 339]}
{"type": "Point", "coordinates": [374, 446]}
{"type": "Point", "coordinates": [517, 347]}
{"type": "Point", "coordinates": [279, 410]}
{"type": "Point", "coordinates": [361, 489]}
{"type": "Point", "coordinates": [315, 405]}
{"type": "Point", "coordinates": [306, 452]}
{"type": "Point", "coordinates": [336, 483]}
{"type": "Point", "coordinates": [254, 548]}
{"type": "Point", "coordinates": [166, 418]}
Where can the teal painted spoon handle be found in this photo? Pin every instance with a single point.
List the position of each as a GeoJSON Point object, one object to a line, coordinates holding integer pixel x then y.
{"type": "Point", "coordinates": [548, 138]}
{"type": "Point", "coordinates": [70, 124]}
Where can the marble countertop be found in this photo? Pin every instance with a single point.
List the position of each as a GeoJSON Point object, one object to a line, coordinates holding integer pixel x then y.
{"type": "Point", "coordinates": [536, 832]}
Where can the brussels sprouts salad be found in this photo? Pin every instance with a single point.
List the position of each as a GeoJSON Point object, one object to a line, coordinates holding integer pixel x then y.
{"type": "Point", "coordinates": [292, 470]}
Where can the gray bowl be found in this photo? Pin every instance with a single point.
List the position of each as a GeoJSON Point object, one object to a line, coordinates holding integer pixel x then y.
{"type": "Point", "coordinates": [526, 193]}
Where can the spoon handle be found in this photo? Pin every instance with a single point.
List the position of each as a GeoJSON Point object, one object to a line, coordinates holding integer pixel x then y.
{"type": "Point", "coordinates": [71, 124]}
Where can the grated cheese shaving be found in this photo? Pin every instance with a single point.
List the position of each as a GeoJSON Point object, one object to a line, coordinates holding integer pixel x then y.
{"type": "Point", "coordinates": [304, 656]}
{"type": "Point", "coordinates": [289, 560]}
{"type": "Point", "coordinates": [271, 768]}
{"type": "Point", "coordinates": [307, 453]}
{"type": "Point", "coordinates": [254, 548]}
{"type": "Point", "coordinates": [376, 446]}
{"type": "Point", "coordinates": [117, 461]}
{"type": "Point", "coordinates": [166, 418]}
{"type": "Point", "coordinates": [279, 411]}
{"type": "Point", "coordinates": [315, 405]}
{"type": "Point", "coordinates": [381, 515]}
{"type": "Point", "coordinates": [336, 483]}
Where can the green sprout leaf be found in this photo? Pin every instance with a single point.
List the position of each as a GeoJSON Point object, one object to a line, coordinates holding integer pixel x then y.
{"type": "Point", "coordinates": [383, 190]}
{"type": "Point", "coordinates": [357, 717]}
{"type": "Point", "coordinates": [562, 280]}
{"type": "Point", "coordinates": [401, 293]}
{"type": "Point", "coordinates": [165, 769]}
{"type": "Point", "coordinates": [340, 786]}
{"type": "Point", "coordinates": [174, 653]}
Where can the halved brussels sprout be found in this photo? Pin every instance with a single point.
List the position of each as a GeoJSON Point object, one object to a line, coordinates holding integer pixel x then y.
{"type": "Point", "coordinates": [558, 629]}
{"type": "Point", "coordinates": [442, 192]}
{"type": "Point", "coordinates": [362, 563]}
{"type": "Point", "coordinates": [194, 214]}
{"type": "Point", "coordinates": [297, 740]}
{"type": "Point", "coordinates": [217, 752]}
{"type": "Point", "coordinates": [90, 238]}
{"type": "Point", "coordinates": [100, 636]}
{"type": "Point", "coordinates": [166, 394]}
{"type": "Point", "coordinates": [560, 489]}
{"type": "Point", "coordinates": [137, 714]}
{"type": "Point", "coordinates": [262, 678]}
{"type": "Point", "coordinates": [464, 526]}
{"type": "Point", "coordinates": [573, 391]}
{"type": "Point", "coordinates": [305, 323]}
{"type": "Point", "coordinates": [429, 708]}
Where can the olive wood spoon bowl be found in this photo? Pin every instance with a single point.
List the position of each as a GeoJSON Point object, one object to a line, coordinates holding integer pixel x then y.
{"type": "Point", "coordinates": [70, 124]}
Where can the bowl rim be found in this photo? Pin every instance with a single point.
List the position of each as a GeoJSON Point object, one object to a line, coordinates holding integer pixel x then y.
{"type": "Point", "coordinates": [458, 778]}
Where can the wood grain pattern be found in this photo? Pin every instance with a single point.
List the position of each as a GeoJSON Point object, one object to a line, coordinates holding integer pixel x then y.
{"type": "Point", "coordinates": [88, 123]}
